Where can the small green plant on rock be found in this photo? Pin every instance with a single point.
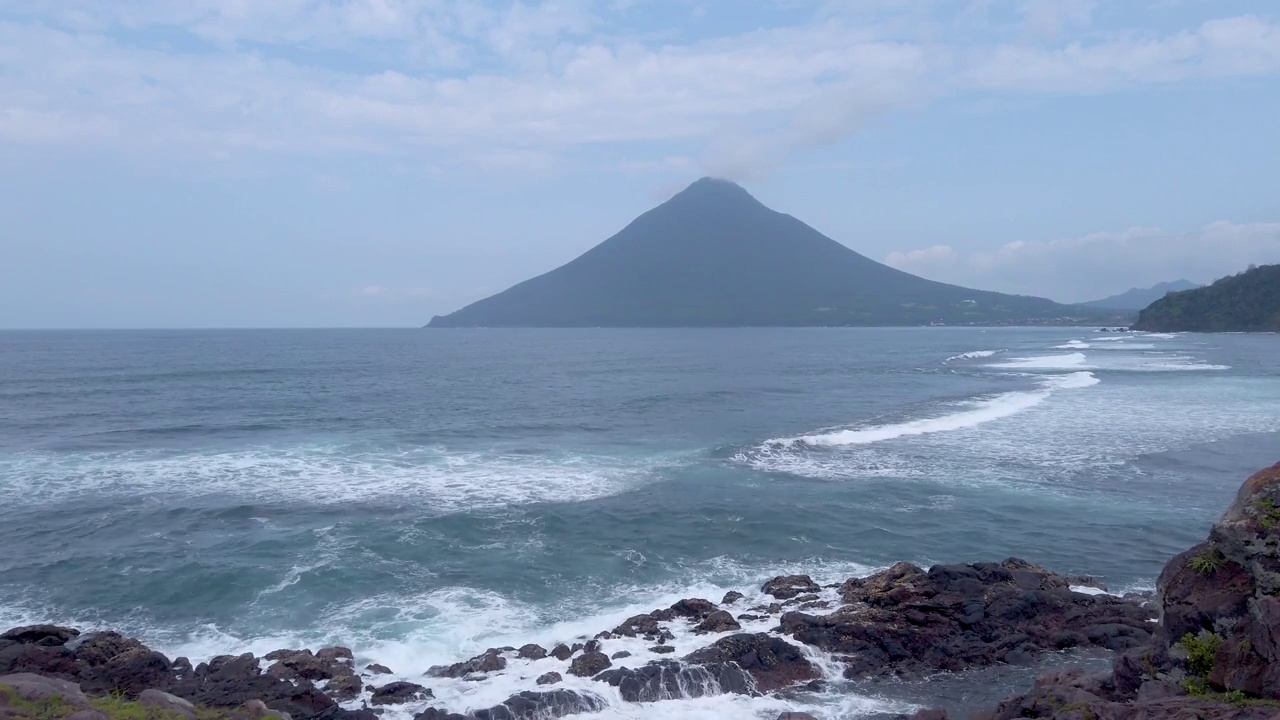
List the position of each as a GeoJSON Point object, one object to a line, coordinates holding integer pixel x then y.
{"type": "Point", "coordinates": [1208, 562]}
{"type": "Point", "coordinates": [1196, 687]}
{"type": "Point", "coordinates": [1270, 514]}
{"type": "Point", "coordinates": [1236, 697]}
{"type": "Point", "coordinates": [1201, 652]}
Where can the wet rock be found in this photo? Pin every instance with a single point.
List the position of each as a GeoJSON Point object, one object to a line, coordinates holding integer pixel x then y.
{"type": "Point", "coordinates": [748, 617]}
{"type": "Point", "coordinates": [532, 652]}
{"type": "Point", "coordinates": [344, 687]}
{"type": "Point", "coordinates": [165, 702]}
{"type": "Point", "coordinates": [377, 669]}
{"type": "Point", "coordinates": [489, 662]}
{"type": "Point", "coordinates": [591, 646]}
{"type": "Point", "coordinates": [335, 654]}
{"type": "Point", "coordinates": [399, 693]}
{"type": "Point", "coordinates": [911, 622]}
{"type": "Point", "coordinates": [695, 608]}
{"type": "Point", "coordinates": [561, 652]}
{"type": "Point", "coordinates": [544, 705]}
{"type": "Point", "coordinates": [717, 622]}
{"type": "Point", "coordinates": [550, 678]}
{"type": "Point", "coordinates": [236, 682]}
{"type": "Point", "coordinates": [589, 664]}
{"type": "Point", "coordinates": [731, 597]}
{"type": "Point", "coordinates": [799, 716]}
{"type": "Point", "coordinates": [258, 710]}
{"type": "Point", "coordinates": [303, 665]}
{"type": "Point", "coordinates": [772, 662]}
{"type": "Point", "coordinates": [574, 648]}
{"type": "Point", "coordinates": [785, 587]}
{"type": "Point", "coordinates": [662, 649]}
{"type": "Point", "coordinates": [668, 679]}
{"type": "Point", "coordinates": [46, 635]}
{"type": "Point", "coordinates": [620, 655]}
{"type": "Point", "coordinates": [438, 714]}
{"type": "Point", "coordinates": [815, 605]}
{"type": "Point", "coordinates": [934, 714]}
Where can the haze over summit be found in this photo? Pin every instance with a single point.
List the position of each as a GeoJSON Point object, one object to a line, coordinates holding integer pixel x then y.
{"type": "Point", "coordinates": [378, 163]}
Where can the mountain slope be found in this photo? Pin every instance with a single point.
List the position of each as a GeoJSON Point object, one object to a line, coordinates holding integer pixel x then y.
{"type": "Point", "coordinates": [1135, 299]}
{"type": "Point", "coordinates": [1247, 302]}
{"type": "Point", "coordinates": [715, 256]}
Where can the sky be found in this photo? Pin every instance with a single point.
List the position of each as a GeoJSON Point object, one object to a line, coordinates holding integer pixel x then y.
{"type": "Point", "coordinates": [300, 163]}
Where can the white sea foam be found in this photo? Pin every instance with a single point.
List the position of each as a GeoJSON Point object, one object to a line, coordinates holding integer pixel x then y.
{"type": "Point", "coordinates": [439, 481]}
{"type": "Point", "coordinates": [1088, 590]}
{"type": "Point", "coordinates": [978, 412]}
{"type": "Point", "coordinates": [410, 633]}
{"type": "Point", "coordinates": [975, 355]}
{"type": "Point", "coordinates": [1069, 361]}
{"type": "Point", "coordinates": [1073, 344]}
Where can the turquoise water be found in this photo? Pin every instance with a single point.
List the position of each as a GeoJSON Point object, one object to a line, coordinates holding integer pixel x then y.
{"type": "Point", "coordinates": [424, 495]}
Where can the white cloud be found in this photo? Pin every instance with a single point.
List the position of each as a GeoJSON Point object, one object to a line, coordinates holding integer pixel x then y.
{"type": "Point", "coordinates": [1100, 264]}
{"type": "Point", "coordinates": [500, 84]}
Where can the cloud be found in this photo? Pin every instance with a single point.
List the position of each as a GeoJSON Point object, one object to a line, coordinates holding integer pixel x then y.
{"type": "Point", "coordinates": [497, 84]}
{"type": "Point", "coordinates": [1100, 264]}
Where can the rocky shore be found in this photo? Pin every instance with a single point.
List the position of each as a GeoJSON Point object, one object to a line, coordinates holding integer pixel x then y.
{"type": "Point", "coordinates": [1207, 646]}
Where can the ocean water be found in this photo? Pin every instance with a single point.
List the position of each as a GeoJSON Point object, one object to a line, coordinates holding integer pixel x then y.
{"type": "Point", "coordinates": [423, 495]}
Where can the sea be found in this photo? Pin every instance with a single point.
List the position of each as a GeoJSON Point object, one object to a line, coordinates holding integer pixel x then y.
{"type": "Point", "coordinates": [423, 495]}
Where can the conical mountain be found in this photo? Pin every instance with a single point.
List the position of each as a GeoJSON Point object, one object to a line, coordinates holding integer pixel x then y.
{"type": "Point", "coordinates": [713, 255]}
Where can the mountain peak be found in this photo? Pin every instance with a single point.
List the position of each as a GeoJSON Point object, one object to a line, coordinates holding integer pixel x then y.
{"type": "Point", "coordinates": [713, 189]}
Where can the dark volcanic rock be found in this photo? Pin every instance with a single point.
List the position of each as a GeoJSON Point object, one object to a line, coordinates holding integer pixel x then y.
{"type": "Point", "coordinates": [907, 621]}
{"type": "Point", "coordinates": [344, 687]}
{"type": "Point", "coordinates": [97, 649]}
{"type": "Point", "coordinates": [785, 587]}
{"type": "Point", "coordinates": [489, 662]}
{"type": "Point", "coordinates": [771, 661]}
{"type": "Point", "coordinates": [716, 622]}
{"type": "Point", "coordinates": [544, 705]}
{"type": "Point", "coordinates": [233, 681]}
{"type": "Point", "coordinates": [335, 654]}
{"type": "Point", "coordinates": [1217, 599]}
{"type": "Point", "coordinates": [662, 649]}
{"type": "Point", "coordinates": [550, 678]}
{"type": "Point", "coordinates": [532, 652]}
{"type": "Point", "coordinates": [668, 679]}
{"type": "Point", "coordinates": [377, 669]}
{"type": "Point", "coordinates": [589, 664]}
{"type": "Point", "coordinates": [696, 608]}
{"type": "Point", "coordinates": [56, 662]}
{"type": "Point", "coordinates": [48, 635]}
{"type": "Point", "coordinates": [399, 693]}
{"type": "Point", "coordinates": [620, 655]}
{"type": "Point", "coordinates": [130, 672]}
{"type": "Point", "coordinates": [731, 597]}
{"type": "Point", "coordinates": [562, 652]}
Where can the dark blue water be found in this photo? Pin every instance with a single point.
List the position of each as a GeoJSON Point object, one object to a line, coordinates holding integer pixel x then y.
{"type": "Point", "coordinates": [423, 495]}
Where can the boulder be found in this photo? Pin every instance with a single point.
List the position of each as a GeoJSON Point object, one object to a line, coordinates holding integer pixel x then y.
{"type": "Point", "coordinates": [96, 649]}
{"type": "Point", "coordinates": [695, 608]}
{"type": "Point", "coordinates": [336, 653]}
{"type": "Point", "coordinates": [344, 687]}
{"type": "Point", "coordinates": [785, 587]}
{"type": "Point", "coordinates": [532, 652]}
{"type": "Point", "coordinates": [47, 635]}
{"type": "Point", "coordinates": [377, 669]}
{"type": "Point", "coordinates": [772, 662]}
{"type": "Point", "coordinates": [906, 621]}
{"type": "Point", "coordinates": [731, 597]}
{"type": "Point", "coordinates": [490, 661]}
{"type": "Point", "coordinates": [717, 622]}
{"type": "Point", "coordinates": [668, 679]}
{"type": "Point", "coordinates": [399, 693]}
{"type": "Point", "coordinates": [620, 655]}
{"type": "Point", "coordinates": [131, 672]}
{"type": "Point", "coordinates": [38, 659]}
{"type": "Point", "coordinates": [588, 664]}
{"type": "Point", "coordinates": [36, 688]}
{"type": "Point", "coordinates": [550, 678]}
{"type": "Point", "coordinates": [562, 652]}
{"type": "Point", "coordinates": [165, 702]}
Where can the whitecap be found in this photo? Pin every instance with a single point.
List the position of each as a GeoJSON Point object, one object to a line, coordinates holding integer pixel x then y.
{"type": "Point", "coordinates": [979, 411]}
{"type": "Point", "coordinates": [1073, 345]}
{"type": "Point", "coordinates": [975, 355]}
{"type": "Point", "coordinates": [1069, 361]}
